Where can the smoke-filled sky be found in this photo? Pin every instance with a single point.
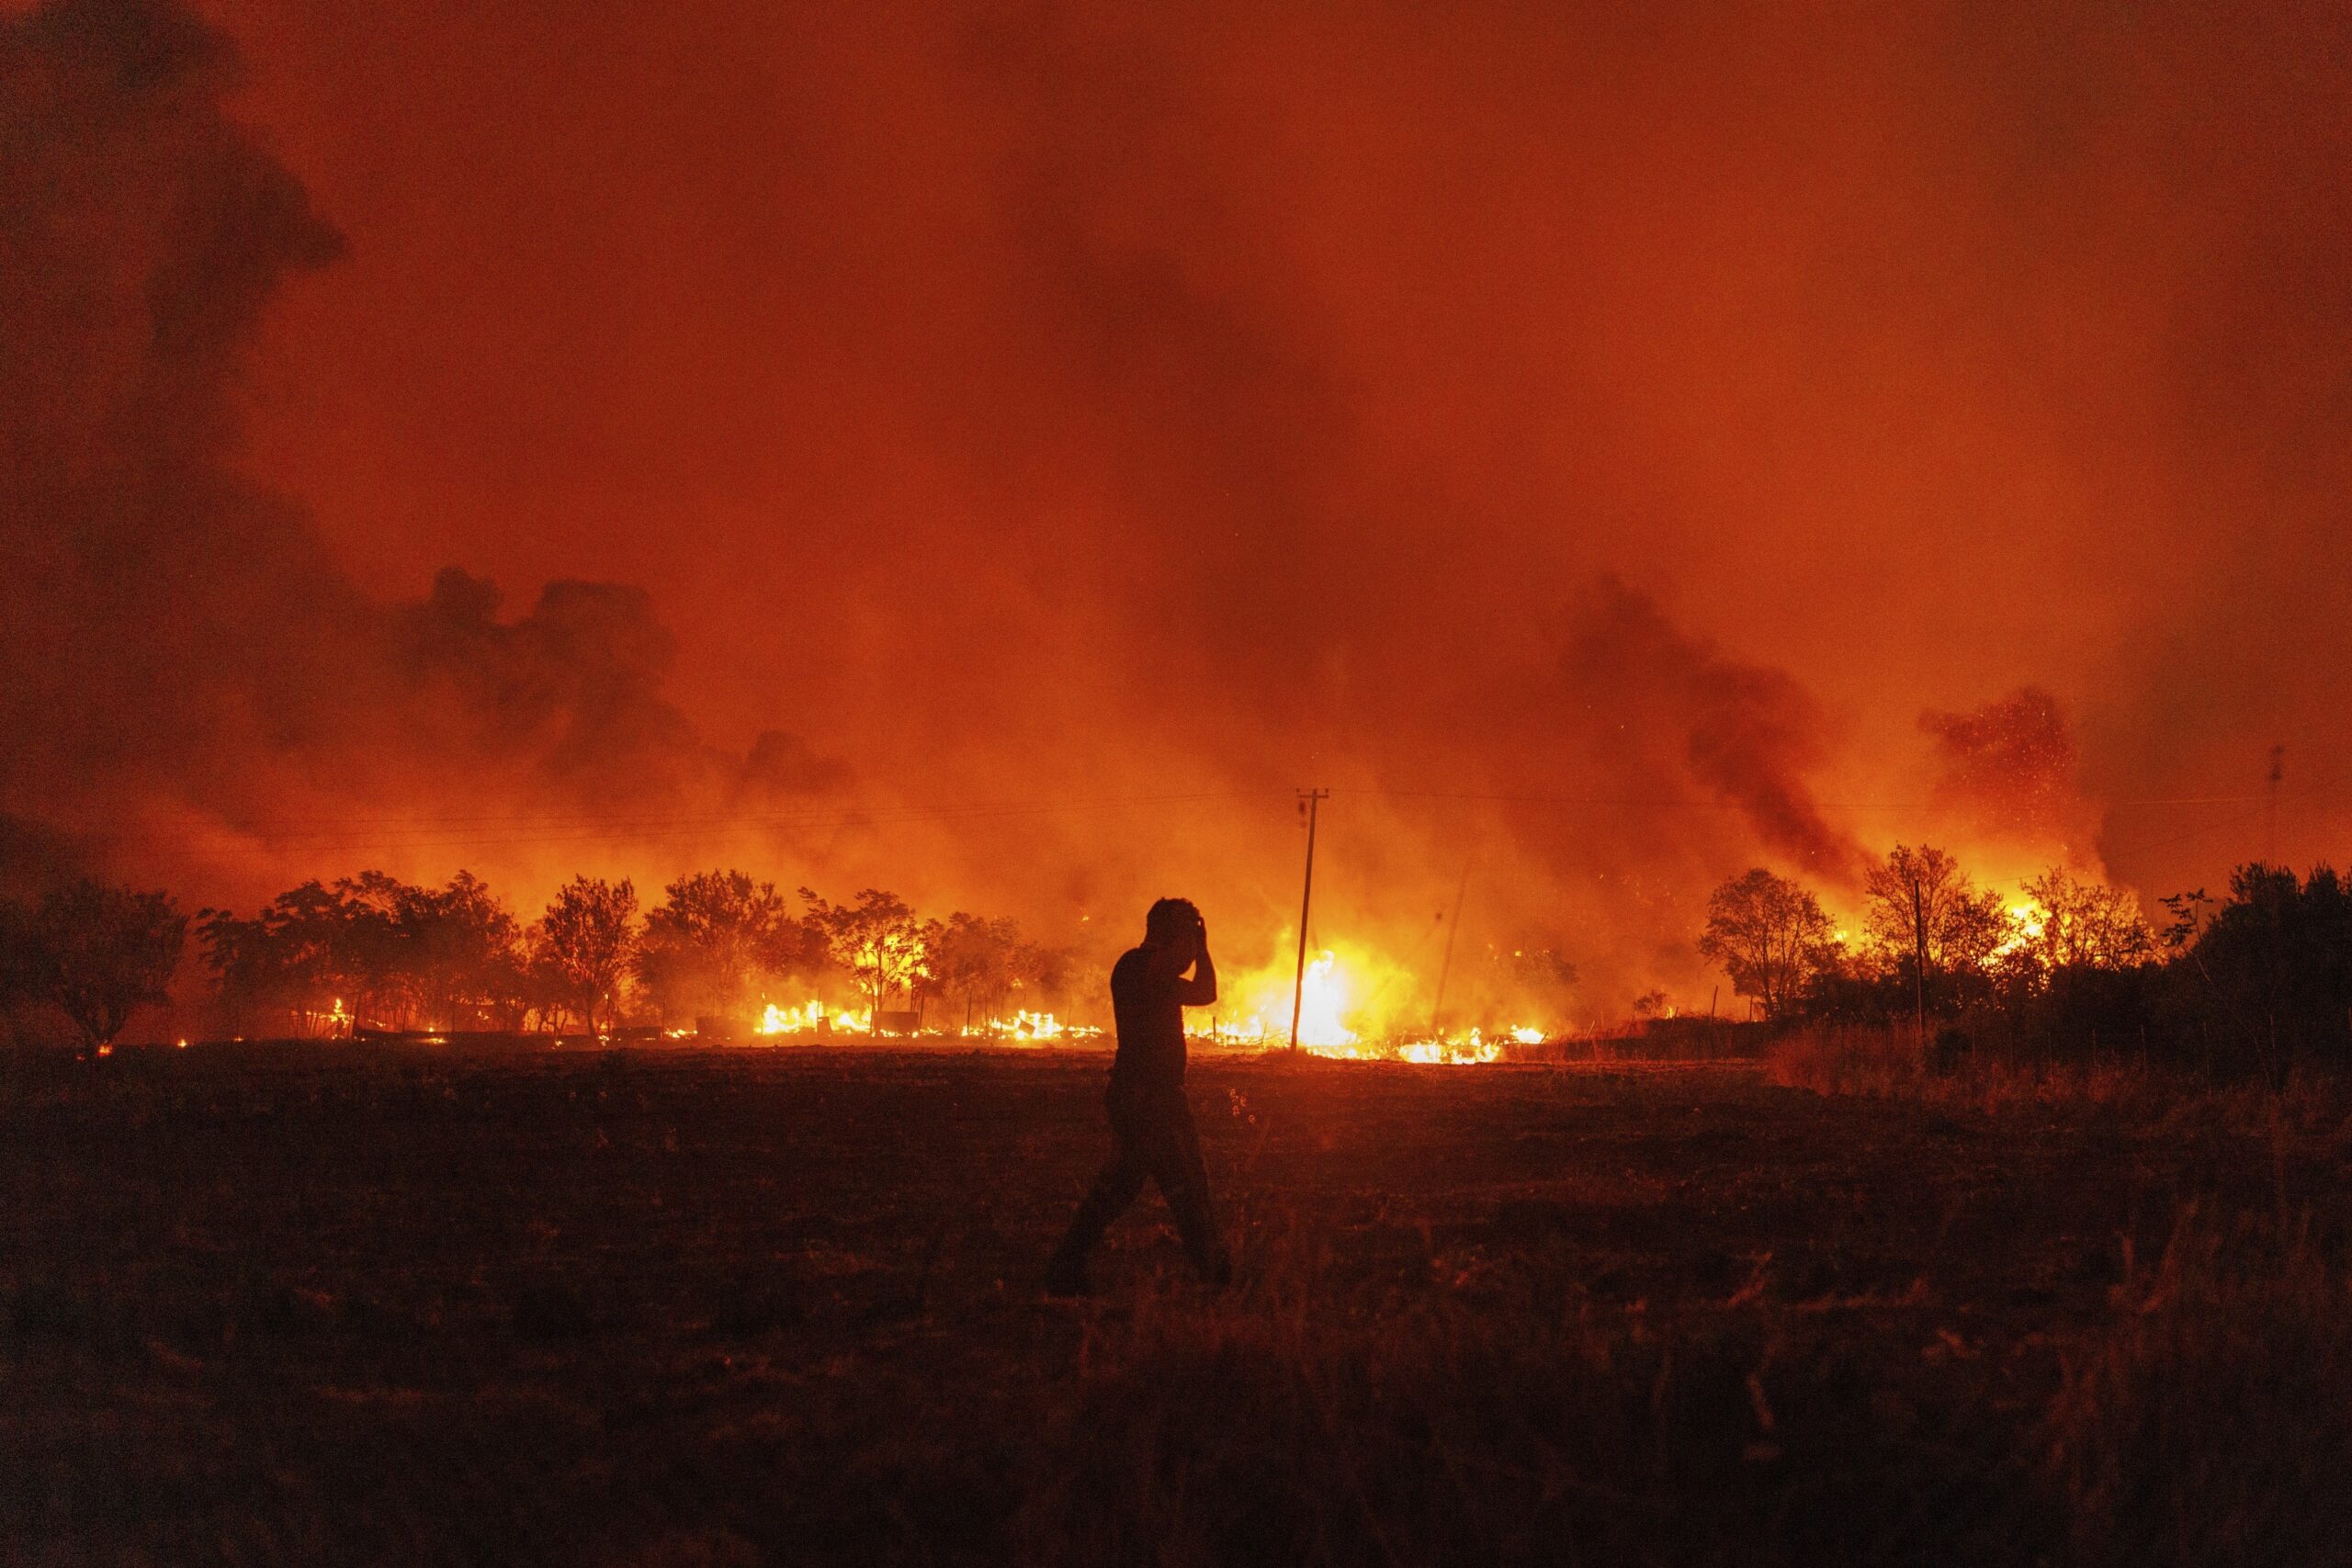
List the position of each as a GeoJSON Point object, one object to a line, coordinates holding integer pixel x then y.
{"type": "Point", "coordinates": [1737, 433]}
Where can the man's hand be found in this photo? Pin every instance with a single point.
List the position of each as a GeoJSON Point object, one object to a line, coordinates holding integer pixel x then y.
{"type": "Point", "coordinates": [1201, 990]}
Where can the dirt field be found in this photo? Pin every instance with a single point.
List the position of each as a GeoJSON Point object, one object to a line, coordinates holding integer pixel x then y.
{"type": "Point", "coordinates": [277, 1305]}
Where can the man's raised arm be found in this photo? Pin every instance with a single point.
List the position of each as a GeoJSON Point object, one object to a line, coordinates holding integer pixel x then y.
{"type": "Point", "coordinates": [1201, 990]}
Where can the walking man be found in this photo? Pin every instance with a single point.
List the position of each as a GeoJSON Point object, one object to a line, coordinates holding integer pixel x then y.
{"type": "Point", "coordinates": [1151, 1126]}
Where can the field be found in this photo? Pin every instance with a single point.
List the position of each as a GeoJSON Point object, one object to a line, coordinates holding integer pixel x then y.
{"type": "Point", "coordinates": [311, 1304]}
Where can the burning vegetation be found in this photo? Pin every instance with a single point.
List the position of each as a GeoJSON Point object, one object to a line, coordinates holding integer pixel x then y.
{"type": "Point", "coordinates": [729, 958]}
{"type": "Point", "coordinates": [2057, 966]}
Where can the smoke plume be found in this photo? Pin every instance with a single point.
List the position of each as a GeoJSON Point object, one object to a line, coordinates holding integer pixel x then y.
{"type": "Point", "coordinates": [1040, 438]}
{"type": "Point", "coordinates": [186, 665]}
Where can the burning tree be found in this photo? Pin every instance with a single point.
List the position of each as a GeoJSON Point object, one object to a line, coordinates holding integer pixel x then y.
{"type": "Point", "coordinates": [983, 961]}
{"type": "Point", "coordinates": [100, 954]}
{"type": "Point", "coordinates": [877, 940]}
{"type": "Point", "coordinates": [715, 934]}
{"type": "Point", "coordinates": [2071, 924]}
{"type": "Point", "coordinates": [1771, 937]}
{"type": "Point", "coordinates": [586, 942]}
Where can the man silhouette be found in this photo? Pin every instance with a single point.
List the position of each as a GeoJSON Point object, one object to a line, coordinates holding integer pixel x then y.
{"type": "Point", "coordinates": [1151, 1126]}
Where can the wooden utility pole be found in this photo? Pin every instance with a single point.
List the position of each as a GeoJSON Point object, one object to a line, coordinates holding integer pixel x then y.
{"type": "Point", "coordinates": [1445, 965]}
{"type": "Point", "coordinates": [1919, 957]}
{"type": "Point", "coordinates": [1309, 801]}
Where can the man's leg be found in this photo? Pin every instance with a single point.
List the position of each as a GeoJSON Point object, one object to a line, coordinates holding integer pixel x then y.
{"type": "Point", "coordinates": [1116, 1187]}
{"type": "Point", "coordinates": [1183, 1182]}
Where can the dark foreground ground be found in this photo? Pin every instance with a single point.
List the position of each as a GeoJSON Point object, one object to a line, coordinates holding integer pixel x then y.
{"type": "Point", "coordinates": [300, 1304]}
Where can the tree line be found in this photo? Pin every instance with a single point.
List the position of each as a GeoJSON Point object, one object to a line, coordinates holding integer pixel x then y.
{"type": "Point", "coordinates": [387, 953]}
{"type": "Point", "coordinates": [2259, 979]}
{"type": "Point", "coordinates": [373, 951]}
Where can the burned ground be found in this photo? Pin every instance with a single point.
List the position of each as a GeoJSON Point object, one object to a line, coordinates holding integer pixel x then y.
{"type": "Point", "coordinates": [307, 1304]}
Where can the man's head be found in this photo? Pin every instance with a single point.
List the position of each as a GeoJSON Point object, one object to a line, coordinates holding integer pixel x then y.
{"type": "Point", "coordinates": [1172, 921]}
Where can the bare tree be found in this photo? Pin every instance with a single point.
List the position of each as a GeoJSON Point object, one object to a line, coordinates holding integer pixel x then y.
{"type": "Point", "coordinates": [1771, 937]}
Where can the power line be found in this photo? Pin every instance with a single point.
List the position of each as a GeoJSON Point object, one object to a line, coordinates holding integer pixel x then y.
{"type": "Point", "coordinates": [1647, 803]}
{"type": "Point", "coordinates": [452, 833]}
{"type": "Point", "coordinates": [2233, 819]}
{"type": "Point", "coordinates": [557, 831]}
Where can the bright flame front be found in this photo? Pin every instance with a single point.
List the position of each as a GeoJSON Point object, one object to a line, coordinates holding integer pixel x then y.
{"type": "Point", "coordinates": [814, 1019]}
{"type": "Point", "coordinates": [1337, 1017]}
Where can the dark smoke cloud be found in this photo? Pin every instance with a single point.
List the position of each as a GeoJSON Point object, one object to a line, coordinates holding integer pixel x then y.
{"type": "Point", "coordinates": [180, 647]}
{"type": "Point", "coordinates": [1679, 721]}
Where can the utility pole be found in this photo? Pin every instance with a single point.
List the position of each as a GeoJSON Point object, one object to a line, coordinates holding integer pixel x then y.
{"type": "Point", "coordinates": [2277, 771]}
{"type": "Point", "coordinates": [1445, 965]}
{"type": "Point", "coordinates": [1309, 800]}
{"type": "Point", "coordinates": [1919, 958]}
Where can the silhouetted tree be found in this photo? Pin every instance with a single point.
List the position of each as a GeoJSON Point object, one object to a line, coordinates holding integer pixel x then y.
{"type": "Point", "coordinates": [15, 958]}
{"type": "Point", "coordinates": [983, 961]}
{"type": "Point", "coordinates": [2083, 925]}
{"type": "Point", "coordinates": [1929, 922]}
{"type": "Point", "coordinates": [390, 952]}
{"type": "Point", "coordinates": [100, 954]}
{"type": "Point", "coordinates": [587, 942]}
{"type": "Point", "coordinates": [714, 935]}
{"type": "Point", "coordinates": [458, 953]}
{"type": "Point", "coordinates": [307, 951]}
{"type": "Point", "coordinates": [2270, 976]}
{"type": "Point", "coordinates": [368, 950]}
{"type": "Point", "coordinates": [1771, 937]}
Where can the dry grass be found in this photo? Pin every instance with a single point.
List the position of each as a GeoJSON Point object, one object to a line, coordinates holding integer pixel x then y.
{"type": "Point", "coordinates": [1890, 1063]}
{"type": "Point", "coordinates": [774, 1307]}
{"type": "Point", "coordinates": [2209, 1421]}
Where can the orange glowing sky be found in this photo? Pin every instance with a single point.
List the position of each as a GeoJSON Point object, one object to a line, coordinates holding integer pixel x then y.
{"type": "Point", "coordinates": [1026, 402]}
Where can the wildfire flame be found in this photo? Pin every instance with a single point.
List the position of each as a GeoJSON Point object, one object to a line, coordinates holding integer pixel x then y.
{"type": "Point", "coordinates": [1337, 1017]}
{"type": "Point", "coordinates": [2026, 923]}
{"type": "Point", "coordinates": [1323, 994]}
{"type": "Point", "coordinates": [1333, 1023]}
{"type": "Point", "coordinates": [813, 1019]}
